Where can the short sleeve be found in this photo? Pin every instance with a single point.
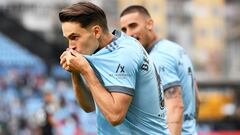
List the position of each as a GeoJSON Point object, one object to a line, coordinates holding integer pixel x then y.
{"type": "Point", "coordinates": [122, 77]}
{"type": "Point", "coordinates": [117, 70]}
{"type": "Point", "coordinates": [167, 66]}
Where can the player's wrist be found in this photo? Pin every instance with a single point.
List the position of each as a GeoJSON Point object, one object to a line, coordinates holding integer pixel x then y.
{"type": "Point", "coordinates": [88, 71]}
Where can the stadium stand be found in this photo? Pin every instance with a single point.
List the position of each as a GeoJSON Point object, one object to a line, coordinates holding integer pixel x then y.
{"type": "Point", "coordinates": [29, 40]}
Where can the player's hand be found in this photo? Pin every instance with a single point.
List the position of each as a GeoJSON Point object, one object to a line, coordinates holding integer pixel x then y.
{"type": "Point", "coordinates": [73, 61]}
{"type": "Point", "coordinates": [64, 60]}
{"type": "Point", "coordinates": [79, 62]}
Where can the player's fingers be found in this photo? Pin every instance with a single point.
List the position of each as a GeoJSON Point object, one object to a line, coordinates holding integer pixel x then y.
{"type": "Point", "coordinates": [66, 57]}
{"type": "Point", "coordinates": [74, 53]}
{"type": "Point", "coordinates": [64, 54]}
{"type": "Point", "coordinates": [68, 60]}
{"type": "Point", "coordinates": [65, 62]}
{"type": "Point", "coordinates": [65, 66]}
{"type": "Point", "coordinates": [62, 60]}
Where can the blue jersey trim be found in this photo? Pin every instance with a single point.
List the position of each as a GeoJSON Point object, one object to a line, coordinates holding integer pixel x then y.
{"type": "Point", "coordinates": [109, 49]}
{"type": "Point", "coordinates": [153, 45]}
{"type": "Point", "coordinates": [113, 45]}
{"type": "Point", "coordinates": [121, 89]}
{"type": "Point", "coordinates": [172, 84]}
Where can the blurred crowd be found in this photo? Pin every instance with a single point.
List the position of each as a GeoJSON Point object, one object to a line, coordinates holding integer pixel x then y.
{"type": "Point", "coordinates": [34, 103]}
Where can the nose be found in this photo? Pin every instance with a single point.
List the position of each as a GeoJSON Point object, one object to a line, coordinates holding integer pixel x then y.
{"type": "Point", "coordinates": [71, 45]}
{"type": "Point", "coordinates": [129, 33]}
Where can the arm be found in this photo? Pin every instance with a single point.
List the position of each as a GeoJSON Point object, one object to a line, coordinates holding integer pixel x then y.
{"type": "Point", "coordinates": [113, 105]}
{"type": "Point", "coordinates": [174, 105]}
{"type": "Point", "coordinates": [197, 99]}
{"type": "Point", "coordinates": [82, 94]}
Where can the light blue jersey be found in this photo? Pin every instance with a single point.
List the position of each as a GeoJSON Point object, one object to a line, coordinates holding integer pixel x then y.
{"type": "Point", "coordinates": [123, 66]}
{"type": "Point", "coordinates": [176, 69]}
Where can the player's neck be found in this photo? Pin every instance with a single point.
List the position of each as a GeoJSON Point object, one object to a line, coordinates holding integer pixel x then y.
{"type": "Point", "coordinates": [153, 40]}
{"type": "Point", "coordinates": [105, 39]}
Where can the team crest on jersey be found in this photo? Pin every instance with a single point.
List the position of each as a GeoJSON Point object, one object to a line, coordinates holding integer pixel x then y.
{"type": "Point", "coordinates": [120, 72]}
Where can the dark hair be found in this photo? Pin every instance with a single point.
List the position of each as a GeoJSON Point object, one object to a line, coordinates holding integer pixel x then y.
{"type": "Point", "coordinates": [135, 8]}
{"type": "Point", "coordinates": [85, 13]}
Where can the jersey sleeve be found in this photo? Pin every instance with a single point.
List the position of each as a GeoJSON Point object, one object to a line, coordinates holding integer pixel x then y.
{"type": "Point", "coordinates": [168, 69]}
{"type": "Point", "coordinates": [123, 73]}
{"type": "Point", "coordinates": [117, 70]}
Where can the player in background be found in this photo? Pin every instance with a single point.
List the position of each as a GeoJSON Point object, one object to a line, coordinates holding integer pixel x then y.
{"type": "Point", "coordinates": [174, 66]}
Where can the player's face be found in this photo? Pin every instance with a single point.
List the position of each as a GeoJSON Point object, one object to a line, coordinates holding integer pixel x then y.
{"type": "Point", "coordinates": [80, 39]}
{"type": "Point", "coordinates": [137, 26]}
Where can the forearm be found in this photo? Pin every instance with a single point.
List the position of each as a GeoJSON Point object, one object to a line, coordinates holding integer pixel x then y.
{"type": "Point", "coordinates": [174, 105]}
{"type": "Point", "coordinates": [82, 94]}
{"type": "Point", "coordinates": [174, 119]}
{"type": "Point", "coordinates": [113, 105]}
{"type": "Point", "coordinates": [109, 105]}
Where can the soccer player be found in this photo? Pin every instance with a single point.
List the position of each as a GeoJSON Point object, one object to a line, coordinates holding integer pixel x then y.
{"type": "Point", "coordinates": [174, 66]}
{"type": "Point", "coordinates": [121, 82]}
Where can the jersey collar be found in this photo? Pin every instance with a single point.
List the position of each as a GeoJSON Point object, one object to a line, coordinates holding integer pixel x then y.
{"type": "Point", "coordinates": [154, 43]}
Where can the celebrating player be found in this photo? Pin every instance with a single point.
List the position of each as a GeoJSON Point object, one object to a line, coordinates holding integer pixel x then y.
{"type": "Point", "coordinates": [174, 66]}
{"type": "Point", "coordinates": [120, 79]}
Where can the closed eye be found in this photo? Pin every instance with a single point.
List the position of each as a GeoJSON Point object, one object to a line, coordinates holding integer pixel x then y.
{"type": "Point", "coordinates": [73, 37]}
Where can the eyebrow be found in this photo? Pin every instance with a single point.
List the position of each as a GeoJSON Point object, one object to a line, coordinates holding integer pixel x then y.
{"type": "Point", "coordinates": [72, 34]}
{"type": "Point", "coordinates": [132, 23]}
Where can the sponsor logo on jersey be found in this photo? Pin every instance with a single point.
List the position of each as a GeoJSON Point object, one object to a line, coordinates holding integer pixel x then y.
{"type": "Point", "coordinates": [120, 72]}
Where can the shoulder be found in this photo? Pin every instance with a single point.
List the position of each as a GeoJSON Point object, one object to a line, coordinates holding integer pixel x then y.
{"type": "Point", "coordinates": [165, 48]}
{"type": "Point", "coordinates": [129, 46]}
{"type": "Point", "coordinates": [128, 42]}
{"type": "Point", "coordinates": [168, 46]}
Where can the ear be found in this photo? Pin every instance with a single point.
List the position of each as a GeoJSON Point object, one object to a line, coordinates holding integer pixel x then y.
{"type": "Point", "coordinates": [97, 30]}
{"type": "Point", "coordinates": [149, 24]}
